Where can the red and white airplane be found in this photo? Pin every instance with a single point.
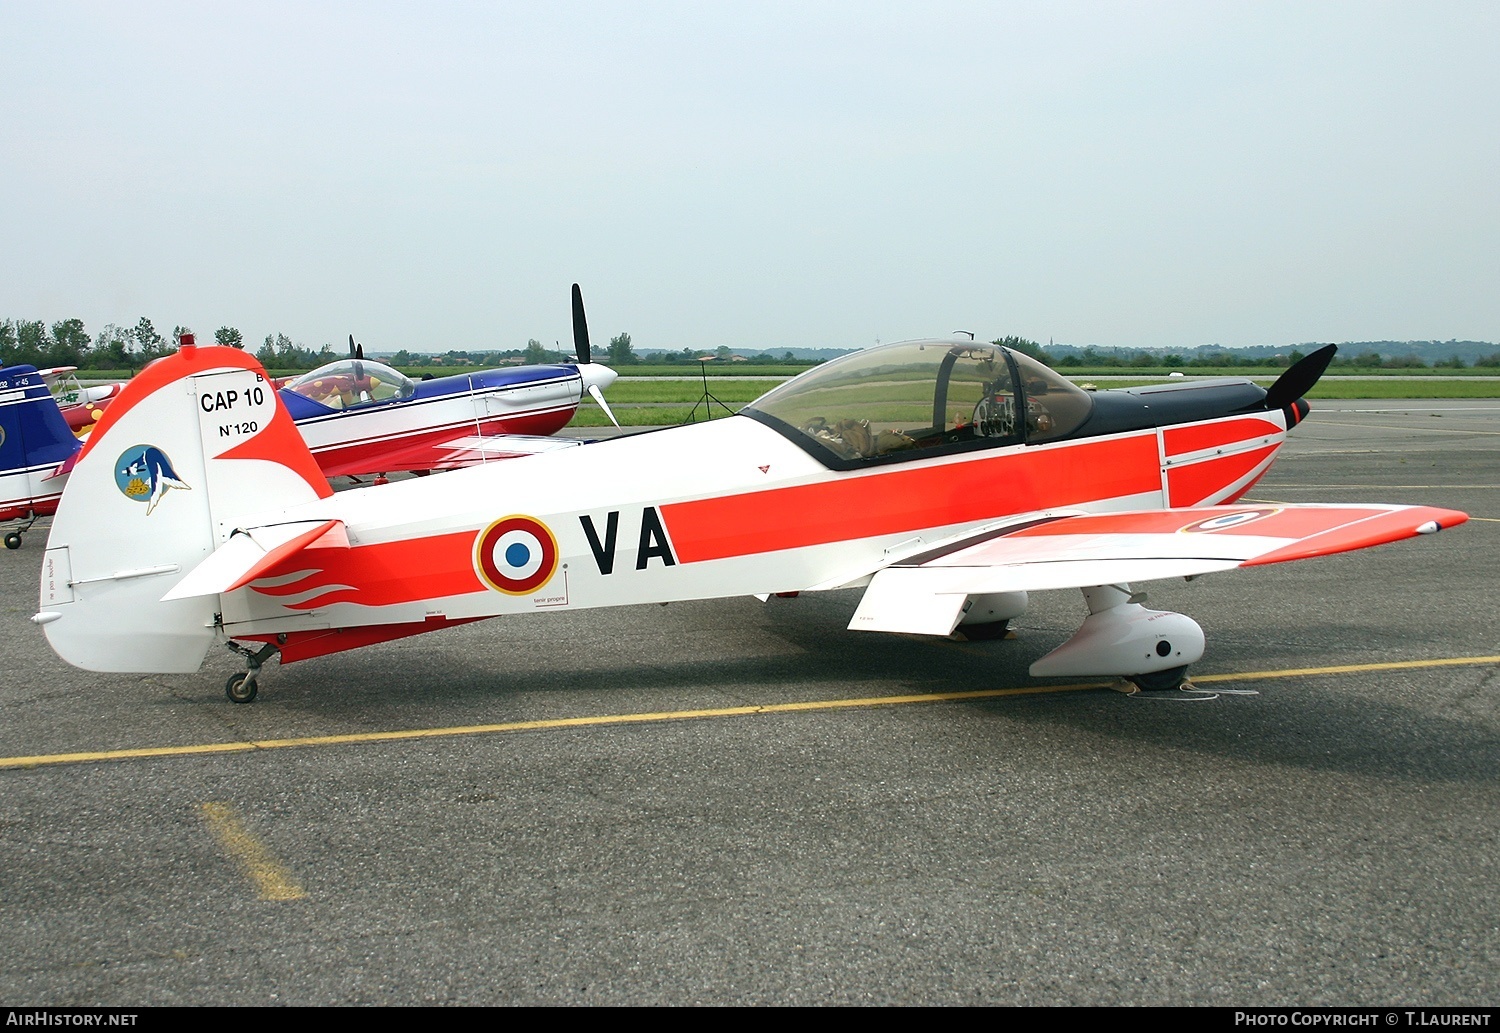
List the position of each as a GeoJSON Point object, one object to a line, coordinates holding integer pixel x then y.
{"type": "Point", "coordinates": [361, 417]}
{"type": "Point", "coordinates": [947, 478]}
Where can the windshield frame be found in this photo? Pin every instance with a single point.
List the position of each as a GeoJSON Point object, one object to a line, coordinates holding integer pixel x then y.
{"type": "Point", "coordinates": [994, 421]}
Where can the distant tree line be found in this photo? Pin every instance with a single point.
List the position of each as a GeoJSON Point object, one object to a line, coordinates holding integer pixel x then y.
{"type": "Point", "coordinates": [1203, 358]}
{"type": "Point", "coordinates": [67, 343]}
{"type": "Point", "coordinates": [620, 352]}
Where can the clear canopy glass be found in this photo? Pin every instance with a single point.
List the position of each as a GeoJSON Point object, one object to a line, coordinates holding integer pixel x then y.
{"type": "Point", "coordinates": [350, 383]}
{"type": "Point", "coordinates": [919, 396]}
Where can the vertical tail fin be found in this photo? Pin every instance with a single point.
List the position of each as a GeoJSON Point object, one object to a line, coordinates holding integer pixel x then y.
{"type": "Point", "coordinates": [35, 441]}
{"type": "Point", "coordinates": [193, 446]}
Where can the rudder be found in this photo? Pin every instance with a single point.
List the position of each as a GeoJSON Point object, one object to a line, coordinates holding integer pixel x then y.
{"type": "Point", "coordinates": [192, 447]}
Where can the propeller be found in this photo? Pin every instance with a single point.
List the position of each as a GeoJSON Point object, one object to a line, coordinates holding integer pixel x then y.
{"type": "Point", "coordinates": [595, 377]}
{"type": "Point", "coordinates": [580, 328]}
{"type": "Point", "coordinates": [357, 353]}
{"type": "Point", "coordinates": [1299, 378]}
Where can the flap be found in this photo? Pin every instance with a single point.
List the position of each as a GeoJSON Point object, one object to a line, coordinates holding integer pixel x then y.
{"type": "Point", "coordinates": [912, 600]}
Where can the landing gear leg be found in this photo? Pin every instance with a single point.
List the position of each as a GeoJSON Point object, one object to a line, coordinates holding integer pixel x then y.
{"type": "Point", "coordinates": [1157, 681]}
{"type": "Point", "coordinates": [13, 538]}
{"type": "Point", "coordinates": [1149, 648]}
{"type": "Point", "coordinates": [241, 688]}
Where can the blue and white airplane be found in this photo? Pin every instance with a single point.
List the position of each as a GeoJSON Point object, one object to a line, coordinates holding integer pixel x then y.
{"type": "Point", "coordinates": [37, 449]}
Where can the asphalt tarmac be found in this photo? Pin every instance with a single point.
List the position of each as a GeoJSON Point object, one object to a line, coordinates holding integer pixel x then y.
{"type": "Point", "coordinates": [739, 802]}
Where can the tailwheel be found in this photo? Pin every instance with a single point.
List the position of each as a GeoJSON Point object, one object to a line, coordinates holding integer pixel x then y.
{"type": "Point", "coordinates": [240, 688]}
{"type": "Point", "coordinates": [1175, 678]}
{"type": "Point", "coordinates": [13, 540]}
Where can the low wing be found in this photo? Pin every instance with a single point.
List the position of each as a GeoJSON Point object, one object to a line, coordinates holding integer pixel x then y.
{"type": "Point", "coordinates": [925, 594]}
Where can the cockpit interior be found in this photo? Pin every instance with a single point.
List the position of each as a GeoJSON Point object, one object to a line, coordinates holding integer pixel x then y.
{"type": "Point", "coordinates": [898, 401]}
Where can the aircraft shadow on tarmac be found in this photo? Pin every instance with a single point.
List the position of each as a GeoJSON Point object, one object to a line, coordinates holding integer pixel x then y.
{"type": "Point", "coordinates": [1395, 725]}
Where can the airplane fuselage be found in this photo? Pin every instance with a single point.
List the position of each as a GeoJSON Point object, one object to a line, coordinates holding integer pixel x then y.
{"type": "Point", "coordinates": [712, 510]}
{"type": "Point", "coordinates": [399, 433]}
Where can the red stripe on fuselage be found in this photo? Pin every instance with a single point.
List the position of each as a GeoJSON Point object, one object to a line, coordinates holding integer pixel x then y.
{"type": "Point", "coordinates": [1178, 441]}
{"type": "Point", "coordinates": [380, 575]}
{"type": "Point", "coordinates": [894, 500]}
{"type": "Point", "coordinates": [1191, 484]}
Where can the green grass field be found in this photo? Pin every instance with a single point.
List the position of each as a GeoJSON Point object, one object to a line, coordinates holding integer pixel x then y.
{"type": "Point", "coordinates": [641, 402]}
{"type": "Point", "coordinates": [668, 402]}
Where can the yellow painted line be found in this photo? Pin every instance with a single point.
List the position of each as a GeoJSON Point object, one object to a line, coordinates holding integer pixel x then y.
{"type": "Point", "coordinates": [1302, 672]}
{"type": "Point", "coordinates": [399, 735]}
{"type": "Point", "coordinates": [270, 876]}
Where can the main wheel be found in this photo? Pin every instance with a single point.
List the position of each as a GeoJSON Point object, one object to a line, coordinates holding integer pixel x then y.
{"type": "Point", "coordinates": [240, 688]}
{"type": "Point", "coordinates": [1157, 680]}
{"type": "Point", "coordinates": [13, 540]}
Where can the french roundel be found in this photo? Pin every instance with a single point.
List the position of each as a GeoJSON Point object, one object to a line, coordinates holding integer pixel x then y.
{"type": "Point", "coordinates": [516, 555]}
{"type": "Point", "coordinates": [1228, 520]}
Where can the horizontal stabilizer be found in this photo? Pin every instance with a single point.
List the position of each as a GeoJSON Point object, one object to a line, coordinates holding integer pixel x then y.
{"type": "Point", "coordinates": [248, 554]}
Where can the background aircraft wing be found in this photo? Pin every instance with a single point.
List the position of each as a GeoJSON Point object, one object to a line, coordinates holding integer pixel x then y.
{"type": "Point", "coordinates": [925, 593]}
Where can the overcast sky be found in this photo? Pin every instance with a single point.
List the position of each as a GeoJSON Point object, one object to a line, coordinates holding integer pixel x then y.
{"type": "Point", "coordinates": [760, 175]}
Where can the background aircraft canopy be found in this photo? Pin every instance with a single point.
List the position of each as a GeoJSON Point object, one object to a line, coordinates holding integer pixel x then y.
{"type": "Point", "coordinates": [349, 383]}
{"type": "Point", "coordinates": [902, 400]}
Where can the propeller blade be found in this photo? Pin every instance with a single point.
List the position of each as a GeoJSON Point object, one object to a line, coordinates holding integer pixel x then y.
{"type": "Point", "coordinates": [351, 346]}
{"type": "Point", "coordinates": [599, 397]}
{"type": "Point", "coordinates": [1299, 378]}
{"type": "Point", "coordinates": [580, 328]}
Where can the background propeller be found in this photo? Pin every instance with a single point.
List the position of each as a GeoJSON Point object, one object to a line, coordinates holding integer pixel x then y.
{"type": "Point", "coordinates": [595, 377]}
{"type": "Point", "coordinates": [580, 328]}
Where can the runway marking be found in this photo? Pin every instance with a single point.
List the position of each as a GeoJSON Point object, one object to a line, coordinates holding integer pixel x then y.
{"type": "Point", "coordinates": [47, 759]}
{"type": "Point", "coordinates": [1323, 409]}
{"type": "Point", "coordinates": [271, 878]}
{"type": "Point", "coordinates": [1419, 430]}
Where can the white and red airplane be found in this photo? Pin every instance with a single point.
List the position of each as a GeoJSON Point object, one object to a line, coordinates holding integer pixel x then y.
{"type": "Point", "coordinates": [947, 478]}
